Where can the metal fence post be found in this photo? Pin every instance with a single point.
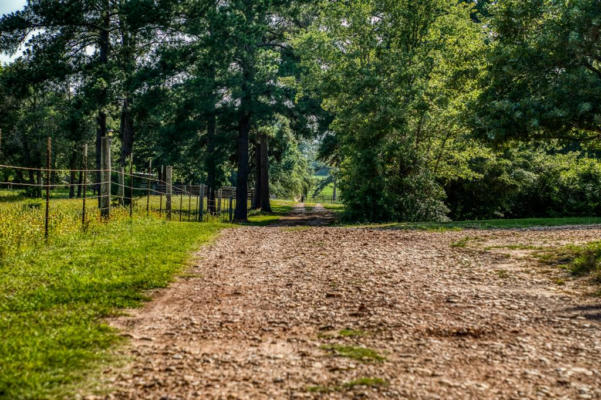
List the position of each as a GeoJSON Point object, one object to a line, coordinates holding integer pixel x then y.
{"type": "Point", "coordinates": [168, 180]}
{"type": "Point", "coordinates": [105, 184]}
{"type": "Point", "coordinates": [231, 209]}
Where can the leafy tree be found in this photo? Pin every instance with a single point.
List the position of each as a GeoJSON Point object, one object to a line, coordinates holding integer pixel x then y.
{"type": "Point", "coordinates": [544, 74]}
{"type": "Point", "coordinates": [393, 74]}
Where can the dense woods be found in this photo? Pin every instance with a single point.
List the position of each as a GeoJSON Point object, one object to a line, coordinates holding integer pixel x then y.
{"type": "Point", "coordinates": [423, 110]}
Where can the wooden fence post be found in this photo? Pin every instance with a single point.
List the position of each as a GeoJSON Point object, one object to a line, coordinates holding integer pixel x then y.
{"type": "Point", "coordinates": [105, 184]}
{"type": "Point", "coordinates": [189, 202]}
{"type": "Point", "coordinates": [181, 202]}
{"type": "Point", "coordinates": [231, 209]}
{"type": "Point", "coordinates": [169, 188]}
{"type": "Point", "coordinates": [121, 191]}
{"type": "Point", "coordinates": [201, 195]}
{"type": "Point", "coordinates": [85, 186]}
{"type": "Point", "coordinates": [48, 161]}
{"type": "Point", "coordinates": [161, 177]}
{"type": "Point", "coordinates": [148, 188]}
{"type": "Point", "coordinates": [131, 186]}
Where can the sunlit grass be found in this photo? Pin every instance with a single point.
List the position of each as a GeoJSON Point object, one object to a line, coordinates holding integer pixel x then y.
{"type": "Point", "coordinates": [483, 224]}
{"type": "Point", "coordinates": [279, 208]}
{"type": "Point", "coordinates": [53, 295]}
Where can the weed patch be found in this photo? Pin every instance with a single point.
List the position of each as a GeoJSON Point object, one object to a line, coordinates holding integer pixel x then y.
{"type": "Point", "coordinates": [356, 353]}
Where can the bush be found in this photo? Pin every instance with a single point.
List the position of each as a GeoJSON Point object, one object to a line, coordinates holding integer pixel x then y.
{"type": "Point", "coordinates": [528, 183]}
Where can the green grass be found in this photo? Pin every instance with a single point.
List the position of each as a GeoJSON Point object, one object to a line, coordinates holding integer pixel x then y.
{"type": "Point", "coordinates": [582, 260]}
{"type": "Point", "coordinates": [485, 224]}
{"type": "Point", "coordinates": [350, 333]}
{"type": "Point", "coordinates": [53, 296]}
{"type": "Point", "coordinates": [461, 243]}
{"type": "Point", "coordinates": [279, 208]}
{"type": "Point", "coordinates": [354, 352]}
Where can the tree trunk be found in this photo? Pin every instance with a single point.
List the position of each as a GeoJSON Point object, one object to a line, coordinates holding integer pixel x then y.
{"type": "Point", "coordinates": [256, 205]}
{"type": "Point", "coordinates": [211, 162]}
{"type": "Point", "coordinates": [264, 174]}
{"type": "Point", "coordinates": [103, 55]}
{"type": "Point", "coordinates": [241, 212]}
{"type": "Point", "coordinates": [127, 133]}
{"type": "Point", "coordinates": [334, 198]}
{"type": "Point", "coordinates": [72, 175]}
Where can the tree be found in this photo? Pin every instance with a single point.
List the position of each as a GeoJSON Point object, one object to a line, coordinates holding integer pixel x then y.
{"type": "Point", "coordinates": [394, 74]}
{"type": "Point", "coordinates": [544, 74]}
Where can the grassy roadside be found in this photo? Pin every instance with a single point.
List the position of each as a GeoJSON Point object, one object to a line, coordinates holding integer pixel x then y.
{"type": "Point", "coordinates": [484, 224]}
{"type": "Point", "coordinates": [53, 298]}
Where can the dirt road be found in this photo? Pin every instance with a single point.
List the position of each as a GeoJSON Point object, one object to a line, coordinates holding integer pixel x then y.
{"type": "Point", "coordinates": [322, 312]}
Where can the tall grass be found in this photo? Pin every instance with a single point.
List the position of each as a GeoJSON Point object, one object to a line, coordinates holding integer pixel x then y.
{"type": "Point", "coordinates": [54, 295]}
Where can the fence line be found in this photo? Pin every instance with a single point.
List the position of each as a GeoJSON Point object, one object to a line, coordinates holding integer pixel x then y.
{"type": "Point", "coordinates": [118, 188]}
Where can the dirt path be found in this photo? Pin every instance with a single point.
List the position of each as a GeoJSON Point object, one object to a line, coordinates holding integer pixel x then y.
{"type": "Point", "coordinates": [300, 216]}
{"type": "Point", "coordinates": [270, 312]}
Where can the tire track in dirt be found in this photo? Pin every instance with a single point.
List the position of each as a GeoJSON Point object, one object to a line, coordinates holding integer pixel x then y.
{"type": "Point", "coordinates": [254, 319]}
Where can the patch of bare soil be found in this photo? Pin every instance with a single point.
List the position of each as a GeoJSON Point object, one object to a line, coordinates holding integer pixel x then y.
{"type": "Point", "coordinates": [291, 313]}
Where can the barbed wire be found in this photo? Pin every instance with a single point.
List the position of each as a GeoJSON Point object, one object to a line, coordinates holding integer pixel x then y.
{"type": "Point", "coordinates": [51, 169]}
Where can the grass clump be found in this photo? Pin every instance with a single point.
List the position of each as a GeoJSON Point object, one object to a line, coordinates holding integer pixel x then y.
{"type": "Point", "coordinates": [351, 333]}
{"type": "Point", "coordinates": [54, 296]}
{"type": "Point", "coordinates": [461, 243]}
{"type": "Point", "coordinates": [502, 273]}
{"type": "Point", "coordinates": [583, 260]}
{"type": "Point", "coordinates": [354, 352]}
{"type": "Point", "coordinates": [368, 382]}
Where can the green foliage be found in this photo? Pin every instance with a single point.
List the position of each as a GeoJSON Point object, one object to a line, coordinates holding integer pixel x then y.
{"type": "Point", "coordinates": [391, 73]}
{"type": "Point", "coordinates": [544, 71]}
{"type": "Point", "coordinates": [527, 182]}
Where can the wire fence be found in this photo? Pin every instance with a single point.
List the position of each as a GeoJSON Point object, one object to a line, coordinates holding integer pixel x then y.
{"type": "Point", "coordinates": [101, 192]}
